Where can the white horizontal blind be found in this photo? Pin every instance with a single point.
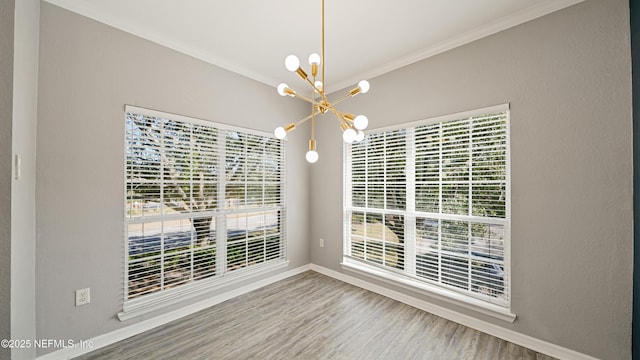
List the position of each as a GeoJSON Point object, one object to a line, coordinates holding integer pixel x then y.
{"type": "Point", "coordinates": [379, 190]}
{"type": "Point", "coordinates": [431, 202]}
{"type": "Point", "coordinates": [253, 189]}
{"type": "Point", "coordinates": [178, 188]}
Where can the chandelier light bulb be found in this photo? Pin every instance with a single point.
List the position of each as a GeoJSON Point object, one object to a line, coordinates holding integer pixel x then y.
{"type": "Point", "coordinates": [364, 86]}
{"type": "Point", "coordinates": [314, 59]}
{"type": "Point", "coordinates": [359, 136]}
{"type": "Point", "coordinates": [349, 136]}
{"type": "Point", "coordinates": [361, 122]}
{"type": "Point", "coordinates": [280, 133]}
{"type": "Point", "coordinates": [281, 88]}
{"type": "Point", "coordinates": [318, 85]}
{"type": "Point", "coordinates": [312, 156]}
{"type": "Point", "coordinates": [292, 63]}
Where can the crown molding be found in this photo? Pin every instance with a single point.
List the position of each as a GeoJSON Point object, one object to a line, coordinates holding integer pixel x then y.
{"type": "Point", "coordinates": [88, 10]}
{"type": "Point", "coordinates": [531, 13]}
{"type": "Point", "coordinates": [538, 10]}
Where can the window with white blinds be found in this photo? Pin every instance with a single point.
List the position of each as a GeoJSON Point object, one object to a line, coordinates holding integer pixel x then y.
{"type": "Point", "coordinates": [202, 200]}
{"type": "Point", "coordinates": [430, 202]}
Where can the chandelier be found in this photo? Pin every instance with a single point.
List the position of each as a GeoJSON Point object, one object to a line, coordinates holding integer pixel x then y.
{"type": "Point", "coordinates": [352, 126]}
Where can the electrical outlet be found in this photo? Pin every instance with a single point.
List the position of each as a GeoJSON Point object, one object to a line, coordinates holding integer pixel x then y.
{"type": "Point", "coordinates": [83, 297]}
{"type": "Point", "coordinates": [321, 242]}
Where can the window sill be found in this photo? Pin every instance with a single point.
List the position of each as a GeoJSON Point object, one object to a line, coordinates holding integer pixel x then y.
{"type": "Point", "coordinates": [442, 294]}
{"type": "Point", "coordinates": [147, 304]}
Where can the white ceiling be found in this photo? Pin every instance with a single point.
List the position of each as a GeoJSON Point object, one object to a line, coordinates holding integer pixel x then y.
{"type": "Point", "coordinates": [363, 38]}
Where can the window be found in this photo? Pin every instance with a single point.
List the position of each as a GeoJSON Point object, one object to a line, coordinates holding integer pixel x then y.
{"type": "Point", "coordinates": [203, 200]}
{"type": "Point", "coordinates": [429, 203]}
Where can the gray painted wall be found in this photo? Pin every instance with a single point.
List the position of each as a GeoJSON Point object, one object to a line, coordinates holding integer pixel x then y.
{"type": "Point", "coordinates": [88, 72]}
{"type": "Point", "coordinates": [567, 76]}
{"type": "Point", "coordinates": [23, 206]}
{"type": "Point", "coordinates": [635, 61]}
{"type": "Point", "coordinates": [6, 116]}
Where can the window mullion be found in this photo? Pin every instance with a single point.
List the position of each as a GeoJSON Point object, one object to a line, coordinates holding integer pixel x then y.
{"type": "Point", "coordinates": [470, 199]}
{"type": "Point", "coordinates": [245, 180]}
{"type": "Point", "coordinates": [264, 193]}
{"type": "Point", "coordinates": [366, 176]}
{"type": "Point", "coordinates": [162, 186]}
{"type": "Point", "coordinates": [470, 161]}
{"type": "Point", "coordinates": [385, 205]}
{"type": "Point", "coordinates": [410, 238]}
{"type": "Point", "coordinates": [440, 176]}
{"type": "Point", "coordinates": [221, 221]}
{"type": "Point", "coordinates": [193, 232]}
{"type": "Point", "coordinates": [348, 199]}
{"type": "Point", "coordinates": [282, 178]}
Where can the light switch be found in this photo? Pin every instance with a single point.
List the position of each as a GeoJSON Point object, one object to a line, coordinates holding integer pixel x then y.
{"type": "Point", "coordinates": [18, 167]}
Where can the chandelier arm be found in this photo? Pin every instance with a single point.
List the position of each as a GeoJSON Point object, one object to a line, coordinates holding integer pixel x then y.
{"type": "Point", "coordinates": [304, 98]}
{"type": "Point", "coordinates": [351, 93]}
{"type": "Point", "coordinates": [313, 85]}
{"type": "Point", "coordinates": [338, 114]}
{"type": "Point", "coordinates": [345, 97]}
{"type": "Point", "coordinates": [313, 120]}
{"type": "Point", "coordinates": [342, 118]}
{"type": "Point", "coordinates": [324, 98]}
{"type": "Point", "coordinates": [333, 109]}
{"type": "Point", "coordinates": [343, 124]}
{"type": "Point", "coordinates": [299, 122]}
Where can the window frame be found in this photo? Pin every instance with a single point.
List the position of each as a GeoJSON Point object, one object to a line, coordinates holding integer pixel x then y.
{"type": "Point", "coordinates": [223, 277]}
{"type": "Point", "coordinates": [402, 277]}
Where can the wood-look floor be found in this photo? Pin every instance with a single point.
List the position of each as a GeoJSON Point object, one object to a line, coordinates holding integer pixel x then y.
{"type": "Point", "coordinates": [312, 316]}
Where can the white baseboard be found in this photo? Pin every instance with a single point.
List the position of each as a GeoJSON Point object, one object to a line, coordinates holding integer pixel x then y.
{"type": "Point", "coordinates": [488, 328]}
{"type": "Point", "coordinates": [526, 341]}
{"type": "Point", "coordinates": [112, 337]}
